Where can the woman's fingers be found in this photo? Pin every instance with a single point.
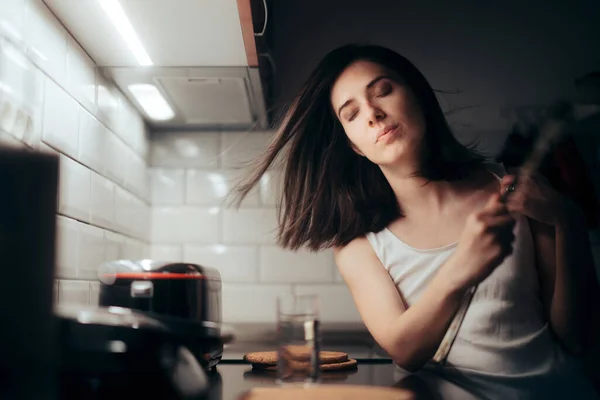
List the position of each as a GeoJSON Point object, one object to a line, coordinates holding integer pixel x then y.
{"type": "Point", "coordinates": [495, 206]}
{"type": "Point", "coordinates": [500, 222]}
{"type": "Point", "coordinates": [506, 182]}
{"type": "Point", "coordinates": [515, 200]}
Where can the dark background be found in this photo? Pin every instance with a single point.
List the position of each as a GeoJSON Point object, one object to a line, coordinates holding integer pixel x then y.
{"type": "Point", "coordinates": [500, 56]}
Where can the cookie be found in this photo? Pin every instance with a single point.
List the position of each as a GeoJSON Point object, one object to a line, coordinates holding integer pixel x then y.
{"type": "Point", "coordinates": [350, 364]}
{"type": "Point", "coordinates": [339, 366]}
{"type": "Point", "coordinates": [296, 353]}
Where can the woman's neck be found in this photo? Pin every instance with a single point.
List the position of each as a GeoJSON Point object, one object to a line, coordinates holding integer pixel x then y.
{"type": "Point", "coordinates": [417, 195]}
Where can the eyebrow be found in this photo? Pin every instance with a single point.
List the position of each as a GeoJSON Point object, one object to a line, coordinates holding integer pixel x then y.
{"type": "Point", "coordinates": [369, 86]}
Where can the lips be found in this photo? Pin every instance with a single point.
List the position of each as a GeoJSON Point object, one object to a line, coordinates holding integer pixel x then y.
{"type": "Point", "coordinates": [385, 132]}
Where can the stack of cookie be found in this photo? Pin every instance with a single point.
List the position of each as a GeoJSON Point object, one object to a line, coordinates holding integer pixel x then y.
{"type": "Point", "coordinates": [328, 360]}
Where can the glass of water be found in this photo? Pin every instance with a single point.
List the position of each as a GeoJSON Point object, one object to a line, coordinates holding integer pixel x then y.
{"type": "Point", "coordinates": [298, 339]}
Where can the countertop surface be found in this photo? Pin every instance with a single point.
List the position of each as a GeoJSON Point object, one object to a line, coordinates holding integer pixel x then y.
{"type": "Point", "coordinates": [232, 380]}
{"type": "Point", "coordinates": [233, 377]}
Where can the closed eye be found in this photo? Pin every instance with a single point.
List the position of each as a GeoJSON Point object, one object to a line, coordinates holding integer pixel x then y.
{"type": "Point", "coordinates": [384, 90]}
{"type": "Point", "coordinates": [351, 115]}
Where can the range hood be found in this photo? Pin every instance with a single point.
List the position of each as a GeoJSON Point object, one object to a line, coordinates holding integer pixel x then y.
{"type": "Point", "coordinates": [192, 62]}
{"type": "Point", "coordinates": [201, 97]}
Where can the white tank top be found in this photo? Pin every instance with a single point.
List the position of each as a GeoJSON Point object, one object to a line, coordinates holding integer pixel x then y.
{"type": "Point", "coordinates": [504, 345]}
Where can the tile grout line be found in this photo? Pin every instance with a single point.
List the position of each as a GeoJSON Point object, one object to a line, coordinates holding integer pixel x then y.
{"type": "Point", "coordinates": [96, 70]}
{"type": "Point", "coordinates": [124, 188]}
{"type": "Point", "coordinates": [125, 235]}
{"type": "Point", "coordinates": [81, 105]}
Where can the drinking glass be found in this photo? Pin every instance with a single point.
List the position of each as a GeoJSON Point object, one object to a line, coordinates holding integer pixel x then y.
{"type": "Point", "coordinates": [298, 339]}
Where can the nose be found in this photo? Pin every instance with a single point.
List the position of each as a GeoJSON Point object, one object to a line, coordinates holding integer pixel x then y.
{"type": "Point", "coordinates": [376, 115]}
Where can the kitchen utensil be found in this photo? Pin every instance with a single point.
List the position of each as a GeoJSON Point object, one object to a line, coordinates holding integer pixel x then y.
{"type": "Point", "coordinates": [114, 352]}
{"type": "Point", "coordinates": [185, 297]}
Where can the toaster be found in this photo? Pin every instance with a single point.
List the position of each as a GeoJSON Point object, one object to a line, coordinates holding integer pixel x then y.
{"type": "Point", "coordinates": [185, 297]}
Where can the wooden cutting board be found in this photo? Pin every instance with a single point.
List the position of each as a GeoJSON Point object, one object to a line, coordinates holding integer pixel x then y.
{"type": "Point", "coordinates": [328, 392]}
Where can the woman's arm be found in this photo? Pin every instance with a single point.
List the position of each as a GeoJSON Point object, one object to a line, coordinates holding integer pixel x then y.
{"type": "Point", "coordinates": [411, 336]}
{"type": "Point", "coordinates": [564, 259]}
{"type": "Point", "coordinates": [568, 278]}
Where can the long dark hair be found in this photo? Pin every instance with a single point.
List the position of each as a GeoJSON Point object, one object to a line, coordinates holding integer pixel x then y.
{"type": "Point", "coordinates": [331, 195]}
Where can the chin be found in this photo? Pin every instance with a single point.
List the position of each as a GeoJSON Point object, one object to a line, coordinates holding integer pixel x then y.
{"type": "Point", "coordinates": [396, 156]}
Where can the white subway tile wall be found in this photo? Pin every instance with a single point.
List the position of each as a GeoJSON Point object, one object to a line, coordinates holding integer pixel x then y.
{"type": "Point", "coordinates": [13, 11]}
{"type": "Point", "coordinates": [47, 38]}
{"type": "Point", "coordinates": [255, 303]}
{"type": "Point", "coordinates": [213, 187]}
{"type": "Point", "coordinates": [67, 241]}
{"type": "Point", "coordinates": [91, 251]}
{"type": "Point", "coordinates": [235, 263]}
{"type": "Point", "coordinates": [93, 142]}
{"type": "Point", "coordinates": [238, 148]}
{"type": "Point", "coordinates": [335, 302]}
{"type": "Point", "coordinates": [102, 201]}
{"type": "Point", "coordinates": [239, 243]}
{"type": "Point", "coordinates": [185, 149]}
{"type": "Point", "coordinates": [10, 141]}
{"type": "Point", "coordinates": [74, 189]}
{"type": "Point", "coordinates": [279, 265]}
{"type": "Point", "coordinates": [111, 205]}
{"type": "Point", "coordinates": [104, 211]}
{"type": "Point", "coordinates": [81, 75]}
{"type": "Point", "coordinates": [255, 226]}
{"type": "Point", "coordinates": [73, 292]}
{"type": "Point", "coordinates": [271, 187]}
{"type": "Point", "coordinates": [61, 120]}
{"type": "Point", "coordinates": [338, 276]}
{"type": "Point", "coordinates": [114, 245]}
{"type": "Point", "coordinates": [168, 187]}
{"type": "Point", "coordinates": [166, 252]}
{"type": "Point", "coordinates": [193, 221]}
{"type": "Point", "coordinates": [186, 223]}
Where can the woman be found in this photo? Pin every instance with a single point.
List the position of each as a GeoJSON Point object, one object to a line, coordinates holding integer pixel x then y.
{"type": "Point", "coordinates": [415, 219]}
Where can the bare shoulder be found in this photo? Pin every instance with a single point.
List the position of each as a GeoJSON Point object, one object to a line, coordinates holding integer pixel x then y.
{"type": "Point", "coordinates": [357, 247]}
{"type": "Point", "coordinates": [357, 253]}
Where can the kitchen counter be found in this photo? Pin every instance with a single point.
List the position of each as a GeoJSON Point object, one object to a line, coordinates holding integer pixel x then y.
{"type": "Point", "coordinates": [234, 377]}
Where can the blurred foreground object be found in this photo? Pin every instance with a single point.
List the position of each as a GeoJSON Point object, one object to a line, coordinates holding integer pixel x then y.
{"type": "Point", "coordinates": [564, 166]}
{"type": "Point", "coordinates": [27, 252]}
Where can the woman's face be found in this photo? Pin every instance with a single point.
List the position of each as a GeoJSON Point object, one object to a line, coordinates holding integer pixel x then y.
{"type": "Point", "coordinates": [380, 114]}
